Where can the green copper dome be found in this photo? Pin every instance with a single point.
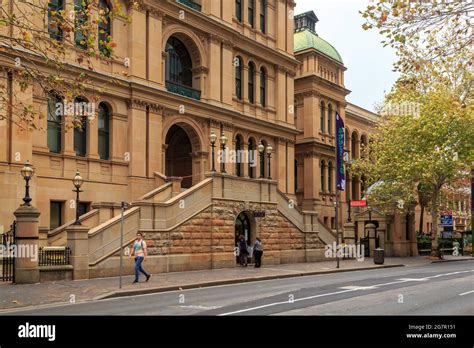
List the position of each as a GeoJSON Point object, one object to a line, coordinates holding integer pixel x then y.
{"type": "Point", "coordinates": [306, 38]}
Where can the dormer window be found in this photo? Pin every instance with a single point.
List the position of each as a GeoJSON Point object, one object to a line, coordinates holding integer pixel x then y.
{"type": "Point", "coordinates": [306, 20]}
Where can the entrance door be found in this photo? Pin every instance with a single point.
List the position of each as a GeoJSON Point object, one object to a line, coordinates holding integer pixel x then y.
{"type": "Point", "coordinates": [178, 155]}
{"type": "Point", "coordinates": [242, 227]}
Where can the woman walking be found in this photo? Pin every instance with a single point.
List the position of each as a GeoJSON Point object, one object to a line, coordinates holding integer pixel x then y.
{"type": "Point", "coordinates": [140, 252]}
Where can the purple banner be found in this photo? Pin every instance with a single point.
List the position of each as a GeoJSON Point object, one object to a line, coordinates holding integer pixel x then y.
{"type": "Point", "coordinates": [340, 173]}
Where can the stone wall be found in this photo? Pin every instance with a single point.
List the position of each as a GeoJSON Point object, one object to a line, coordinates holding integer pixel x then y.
{"type": "Point", "coordinates": [207, 240]}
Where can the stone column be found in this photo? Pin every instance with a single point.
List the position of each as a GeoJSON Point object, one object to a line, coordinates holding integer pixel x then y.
{"type": "Point", "coordinates": [155, 54]}
{"type": "Point", "coordinates": [43, 236]}
{"type": "Point", "coordinates": [228, 71]}
{"type": "Point", "coordinates": [349, 233]}
{"type": "Point", "coordinates": [214, 80]}
{"type": "Point", "coordinates": [78, 242]}
{"type": "Point", "coordinates": [371, 233]}
{"type": "Point", "coordinates": [26, 240]}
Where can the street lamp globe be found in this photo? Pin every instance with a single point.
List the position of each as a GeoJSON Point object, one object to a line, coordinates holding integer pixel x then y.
{"type": "Point", "coordinates": [27, 171]}
{"type": "Point", "coordinates": [261, 148]}
{"type": "Point", "coordinates": [78, 180]}
{"type": "Point", "coordinates": [269, 149]}
{"type": "Point", "coordinates": [213, 138]}
{"type": "Point", "coordinates": [223, 139]}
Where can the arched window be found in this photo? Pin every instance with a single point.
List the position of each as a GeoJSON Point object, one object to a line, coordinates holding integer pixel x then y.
{"type": "Point", "coordinates": [54, 19]}
{"type": "Point", "coordinates": [263, 87]}
{"type": "Point", "coordinates": [238, 77]}
{"type": "Point", "coordinates": [80, 18]}
{"type": "Point", "coordinates": [263, 15]}
{"type": "Point", "coordinates": [104, 131]}
{"type": "Point", "coordinates": [330, 177]}
{"type": "Point", "coordinates": [354, 145]}
{"type": "Point", "coordinates": [322, 123]}
{"type": "Point", "coordinates": [238, 10]}
{"type": "Point", "coordinates": [252, 158]}
{"type": "Point", "coordinates": [323, 176]}
{"type": "Point", "coordinates": [251, 82]}
{"type": "Point", "coordinates": [178, 63]}
{"type": "Point", "coordinates": [105, 27]}
{"type": "Point", "coordinates": [251, 16]}
{"type": "Point", "coordinates": [238, 151]}
{"type": "Point", "coordinates": [55, 117]}
{"type": "Point", "coordinates": [80, 128]}
{"type": "Point", "coordinates": [329, 119]}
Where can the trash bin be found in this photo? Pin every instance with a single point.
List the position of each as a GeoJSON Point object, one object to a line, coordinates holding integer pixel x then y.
{"type": "Point", "coordinates": [379, 256]}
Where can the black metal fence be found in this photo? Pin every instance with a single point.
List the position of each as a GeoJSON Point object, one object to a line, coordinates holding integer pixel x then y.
{"type": "Point", "coordinates": [445, 245]}
{"type": "Point", "coordinates": [7, 258]}
{"type": "Point", "coordinates": [54, 256]}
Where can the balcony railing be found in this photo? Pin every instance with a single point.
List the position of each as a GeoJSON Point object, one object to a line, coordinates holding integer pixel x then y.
{"type": "Point", "coordinates": [190, 4]}
{"type": "Point", "coordinates": [183, 90]}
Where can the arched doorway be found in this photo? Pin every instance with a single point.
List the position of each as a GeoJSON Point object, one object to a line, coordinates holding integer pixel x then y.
{"type": "Point", "coordinates": [178, 155]}
{"type": "Point", "coordinates": [243, 227]}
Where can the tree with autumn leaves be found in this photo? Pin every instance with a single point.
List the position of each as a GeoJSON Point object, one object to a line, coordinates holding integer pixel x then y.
{"type": "Point", "coordinates": [36, 41]}
{"type": "Point", "coordinates": [414, 154]}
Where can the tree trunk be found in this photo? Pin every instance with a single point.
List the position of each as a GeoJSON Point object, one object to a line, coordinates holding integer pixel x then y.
{"type": "Point", "coordinates": [434, 229]}
{"type": "Point", "coordinates": [420, 229]}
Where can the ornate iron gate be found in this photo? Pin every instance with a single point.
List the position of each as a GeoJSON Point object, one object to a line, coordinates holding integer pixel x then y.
{"type": "Point", "coordinates": [7, 258]}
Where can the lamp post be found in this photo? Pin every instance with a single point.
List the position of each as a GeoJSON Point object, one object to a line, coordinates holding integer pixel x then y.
{"type": "Point", "coordinates": [223, 142]}
{"type": "Point", "coordinates": [269, 150]}
{"type": "Point", "coordinates": [124, 205]}
{"type": "Point", "coordinates": [78, 180]}
{"type": "Point", "coordinates": [213, 138]}
{"type": "Point", "coordinates": [27, 173]}
{"type": "Point", "coordinates": [261, 150]}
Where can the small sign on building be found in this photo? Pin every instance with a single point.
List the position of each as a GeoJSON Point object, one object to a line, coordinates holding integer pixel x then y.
{"type": "Point", "coordinates": [360, 203]}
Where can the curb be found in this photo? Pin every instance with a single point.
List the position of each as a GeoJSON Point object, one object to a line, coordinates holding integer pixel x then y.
{"type": "Point", "coordinates": [440, 261]}
{"type": "Point", "coordinates": [126, 293]}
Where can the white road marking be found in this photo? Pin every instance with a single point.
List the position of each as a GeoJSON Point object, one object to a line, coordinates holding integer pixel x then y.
{"type": "Point", "coordinates": [465, 293]}
{"type": "Point", "coordinates": [352, 288]}
{"type": "Point", "coordinates": [413, 279]}
{"type": "Point", "coordinates": [355, 287]}
{"type": "Point", "coordinates": [285, 302]}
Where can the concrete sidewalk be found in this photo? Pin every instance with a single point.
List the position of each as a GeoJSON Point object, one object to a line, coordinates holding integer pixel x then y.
{"type": "Point", "coordinates": [62, 292]}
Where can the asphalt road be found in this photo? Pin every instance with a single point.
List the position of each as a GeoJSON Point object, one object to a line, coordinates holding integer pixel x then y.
{"type": "Point", "coordinates": [433, 289]}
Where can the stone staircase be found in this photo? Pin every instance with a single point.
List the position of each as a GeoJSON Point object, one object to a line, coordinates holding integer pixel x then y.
{"type": "Point", "coordinates": [194, 229]}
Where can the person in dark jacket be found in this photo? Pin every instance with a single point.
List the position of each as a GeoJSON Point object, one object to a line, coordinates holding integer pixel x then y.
{"type": "Point", "coordinates": [243, 251]}
{"type": "Point", "coordinates": [258, 252]}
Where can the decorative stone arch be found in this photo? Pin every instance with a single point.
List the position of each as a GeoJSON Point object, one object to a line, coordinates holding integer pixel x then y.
{"type": "Point", "coordinates": [198, 156]}
{"type": "Point", "coordinates": [253, 226]}
{"type": "Point", "coordinates": [192, 42]}
{"type": "Point", "coordinates": [196, 50]}
{"type": "Point", "coordinates": [355, 149]}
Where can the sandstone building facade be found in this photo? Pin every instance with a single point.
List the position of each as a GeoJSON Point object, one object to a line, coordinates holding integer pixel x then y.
{"type": "Point", "coordinates": [247, 71]}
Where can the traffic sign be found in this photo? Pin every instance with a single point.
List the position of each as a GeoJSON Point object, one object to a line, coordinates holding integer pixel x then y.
{"type": "Point", "coordinates": [361, 203]}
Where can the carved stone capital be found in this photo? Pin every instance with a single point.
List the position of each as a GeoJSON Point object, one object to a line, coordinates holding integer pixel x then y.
{"type": "Point", "coordinates": [310, 154]}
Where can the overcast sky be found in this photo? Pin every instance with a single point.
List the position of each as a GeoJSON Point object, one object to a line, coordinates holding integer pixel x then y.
{"type": "Point", "coordinates": [369, 65]}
